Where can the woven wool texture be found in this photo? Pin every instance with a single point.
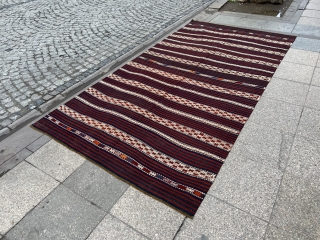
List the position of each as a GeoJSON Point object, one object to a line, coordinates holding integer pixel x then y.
{"type": "Point", "coordinates": [167, 120]}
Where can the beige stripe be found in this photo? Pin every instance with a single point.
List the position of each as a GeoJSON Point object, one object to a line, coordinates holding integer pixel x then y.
{"type": "Point", "coordinates": [217, 53]}
{"type": "Point", "coordinates": [165, 122]}
{"type": "Point", "coordinates": [180, 100]}
{"type": "Point", "coordinates": [212, 60]}
{"type": "Point", "coordinates": [206, 66]}
{"type": "Point", "coordinates": [238, 35]}
{"type": "Point", "coordinates": [199, 119]}
{"type": "Point", "coordinates": [192, 82]}
{"type": "Point", "coordinates": [171, 139]}
{"type": "Point", "coordinates": [233, 39]}
{"type": "Point", "coordinates": [139, 145]}
{"type": "Point", "coordinates": [232, 45]}
{"type": "Point", "coordinates": [216, 47]}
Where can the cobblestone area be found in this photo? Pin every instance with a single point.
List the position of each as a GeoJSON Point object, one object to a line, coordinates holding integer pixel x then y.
{"type": "Point", "coordinates": [47, 46]}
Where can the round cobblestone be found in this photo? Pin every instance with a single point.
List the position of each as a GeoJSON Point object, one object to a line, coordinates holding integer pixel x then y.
{"type": "Point", "coordinates": [46, 45]}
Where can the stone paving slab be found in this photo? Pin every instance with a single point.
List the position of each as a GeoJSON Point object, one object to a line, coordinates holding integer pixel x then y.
{"type": "Point", "coordinates": [301, 57]}
{"type": "Point", "coordinates": [16, 142]}
{"type": "Point", "coordinates": [294, 72]}
{"type": "Point", "coordinates": [149, 216]}
{"type": "Point", "coordinates": [276, 114]}
{"type": "Point", "coordinates": [56, 160]}
{"type": "Point", "coordinates": [61, 215]}
{"type": "Point", "coordinates": [294, 93]}
{"type": "Point", "coordinates": [279, 27]}
{"type": "Point", "coordinates": [307, 44]}
{"type": "Point", "coordinates": [297, 209]}
{"type": "Point", "coordinates": [309, 126]}
{"type": "Point", "coordinates": [248, 185]}
{"type": "Point", "coordinates": [96, 185]}
{"type": "Point", "coordinates": [263, 145]}
{"type": "Point", "coordinates": [277, 233]}
{"type": "Point", "coordinates": [313, 98]}
{"type": "Point", "coordinates": [316, 77]}
{"type": "Point", "coordinates": [218, 220]}
{"type": "Point", "coordinates": [14, 161]}
{"type": "Point", "coordinates": [21, 190]}
{"type": "Point", "coordinates": [112, 228]}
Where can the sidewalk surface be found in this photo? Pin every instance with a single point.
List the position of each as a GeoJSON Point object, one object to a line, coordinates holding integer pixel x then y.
{"type": "Point", "coordinates": [268, 188]}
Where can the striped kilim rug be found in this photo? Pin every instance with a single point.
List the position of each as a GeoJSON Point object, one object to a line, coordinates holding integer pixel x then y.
{"type": "Point", "coordinates": [167, 120]}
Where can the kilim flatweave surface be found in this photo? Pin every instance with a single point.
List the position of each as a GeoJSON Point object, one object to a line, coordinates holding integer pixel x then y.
{"type": "Point", "coordinates": [166, 121]}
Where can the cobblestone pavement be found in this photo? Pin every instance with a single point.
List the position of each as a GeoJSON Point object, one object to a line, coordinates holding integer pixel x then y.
{"type": "Point", "coordinates": [47, 46]}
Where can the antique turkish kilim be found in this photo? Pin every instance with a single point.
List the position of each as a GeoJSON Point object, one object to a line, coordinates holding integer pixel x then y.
{"type": "Point", "coordinates": [167, 120]}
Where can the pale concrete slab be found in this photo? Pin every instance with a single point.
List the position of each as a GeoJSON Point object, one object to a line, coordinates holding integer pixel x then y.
{"type": "Point", "coordinates": [301, 57]}
{"type": "Point", "coordinates": [218, 220]}
{"type": "Point", "coordinates": [314, 6]}
{"type": "Point", "coordinates": [294, 72]}
{"type": "Point", "coordinates": [96, 185]}
{"type": "Point", "coordinates": [311, 13]}
{"type": "Point", "coordinates": [276, 114]}
{"type": "Point", "coordinates": [112, 228]}
{"type": "Point", "coordinates": [252, 23]}
{"type": "Point", "coordinates": [309, 126]}
{"type": "Point", "coordinates": [307, 30]}
{"type": "Point", "coordinates": [305, 160]}
{"type": "Point", "coordinates": [277, 233]}
{"type": "Point", "coordinates": [38, 143]}
{"type": "Point", "coordinates": [16, 142]}
{"type": "Point", "coordinates": [310, 21]}
{"type": "Point", "coordinates": [297, 209]}
{"type": "Point", "coordinates": [316, 76]}
{"type": "Point", "coordinates": [318, 64]}
{"type": "Point", "coordinates": [56, 160]}
{"type": "Point", "coordinates": [61, 215]}
{"type": "Point", "coordinates": [14, 161]}
{"type": "Point", "coordinates": [279, 27]}
{"type": "Point", "coordinates": [287, 91]}
{"type": "Point", "coordinates": [226, 20]}
{"type": "Point", "coordinates": [147, 215]}
{"type": "Point", "coordinates": [22, 189]}
{"type": "Point", "coordinates": [250, 186]}
{"type": "Point", "coordinates": [264, 145]}
{"type": "Point", "coordinates": [313, 99]}
{"type": "Point", "coordinates": [307, 44]}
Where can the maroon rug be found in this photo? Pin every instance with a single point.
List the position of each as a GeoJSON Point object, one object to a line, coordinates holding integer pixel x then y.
{"type": "Point", "coordinates": [166, 121]}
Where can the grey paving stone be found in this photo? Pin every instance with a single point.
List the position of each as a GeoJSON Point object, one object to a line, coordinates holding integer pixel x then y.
{"type": "Point", "coordinates": [313, 5]}
{"type": "Point", "coordinates": [56, 160]}
{"type": "Point", "coordinates": [275, 233]}
{"type": "Point", "coordinates": [96, 185]}
{"type": "Point", "coordinates": [307, 44]}
{"type": "Point", "coordinates": [218, 4]}
{"type": "Point", "coordinates": [249, 185]}
{"type": "Point", "coordinates": [147, 215]}
{"type": "Point", "coordinates": [227, 20]}
{"type": "Point", "coordinates": [301, 57]}
{"type": "Point", "coordinates": [61, 215]}
{"type": "Point", "coordinates": [275, 114]}
{"type": "Point", "coordinates": [14, 161]}
{"type": "Point", "coordinates": [311, 13]}
{"type": "Point", "coordinates": [264, 145]}
{"type": "Point", "coordinates": [287, 91]}
{"type": "Point", "coordinates": [279, 27]}
{"type": "Point", "coordinates": [318, 64]}
{"type": "Point", "coordinates": [309, 125]}
{"type": "Point", "coordinates": [218, 220]}
{"type": "Point", "coordinates": [309, 21]}
{"type": "Point", "coordinates": [307, 30]}
{"type": "Point", "coordinates": [295, 72]}
{"type": "Point", "coordinates": [39, 143]}
{"type": "Point", "coordinates": [316, 77]}
{"type": "Point", "coordinates": [313, 99]}
{"type": "Point", "coordinates": [297, 209]}
{"type": "Point", "coordinates": [305, 160]}
{"type": "Point", "coordinates": [112, 228]}
{"type": "Point", "coordinates": [250, 22]}
{"type": "Point", "coordinates": [22, 189]}
{"type": "Point", "coordinates": [16, 142]}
